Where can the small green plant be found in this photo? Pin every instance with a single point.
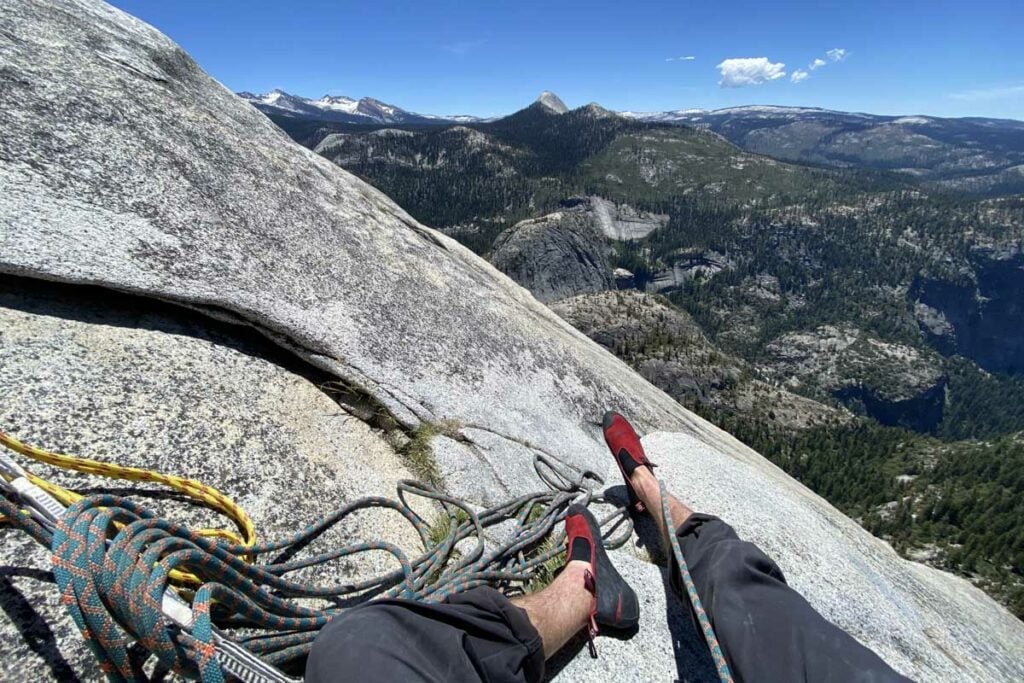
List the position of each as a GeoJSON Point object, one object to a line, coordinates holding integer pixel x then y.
{"type": "Point", "coordinates": [546, 572]}
{"type": "Point", "coordinates": [442, 525]}
{"type": "Point", "coordinates": [418, 455]}
{"type": "Point", "coordinates": [535, 513]}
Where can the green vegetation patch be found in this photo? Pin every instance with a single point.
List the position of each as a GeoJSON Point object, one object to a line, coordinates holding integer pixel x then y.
{"type": "Point", "coordinates": [418, 455]}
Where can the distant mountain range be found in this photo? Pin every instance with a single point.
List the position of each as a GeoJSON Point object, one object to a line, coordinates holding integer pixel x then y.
{"type": "Point", "coordinates": [969, 154]}
{"type": "Point", "coordinates": [978, 155]}
{"type": "Point", "coordinates": [789, 273]}
{"type": "Point", "coordinates": [341, 109]}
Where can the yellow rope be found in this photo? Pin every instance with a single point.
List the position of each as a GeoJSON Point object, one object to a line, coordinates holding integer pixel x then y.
{"type": "Point", "coordinates": [189, 487]}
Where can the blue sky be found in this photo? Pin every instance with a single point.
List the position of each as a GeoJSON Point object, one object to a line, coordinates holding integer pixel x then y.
{"type": "Point", "coordinates": [487, 57]}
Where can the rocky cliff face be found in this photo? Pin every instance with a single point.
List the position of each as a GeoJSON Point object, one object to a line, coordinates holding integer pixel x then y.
{"type": "Point", "coordinates": [893, 383]}
{"type": "Point", "coordinates": [670, 350]}
{"type": "Point", "coordinates": [555, 256]}
{"type": "Point", "coordinates": [565, 253]}
{"type": "Point", "coordinates": [980, 316]}
{"type": "Point", "coordinates": [687, 265]}
{"type": "Point", "coordinates": [662, 339]}
{"type": "Point", "coordinates": [124, 168]}
{"type": "Point", "coordinates": [620, 221]}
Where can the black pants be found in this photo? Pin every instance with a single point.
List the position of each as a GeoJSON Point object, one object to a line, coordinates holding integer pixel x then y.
{"type": "Point", "coordinates": [476, 636]}
{"type": "Point", "coordinates": [766, 629]}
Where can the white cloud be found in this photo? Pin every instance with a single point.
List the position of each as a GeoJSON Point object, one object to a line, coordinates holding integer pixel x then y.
{"type": "Point", "coordinates": [742, 71]}
{"type": "Point", "coordinates": [989, 93]}
{"type": "Point", "coordinates": [836, 55]}
{"type": "Point", "coordinates": [681, 59]}
{"type": "Point", "coordinates": [464, 47]}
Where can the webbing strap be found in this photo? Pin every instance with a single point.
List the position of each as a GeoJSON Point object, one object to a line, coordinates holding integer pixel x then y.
{"type": "Point", "coordinates": [196, 490]}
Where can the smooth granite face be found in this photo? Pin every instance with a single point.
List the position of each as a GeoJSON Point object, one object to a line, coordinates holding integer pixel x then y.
{"type": "Point", "coordinates": [109, 378]}
{"type": "Point", "coordinates": [123, 165]}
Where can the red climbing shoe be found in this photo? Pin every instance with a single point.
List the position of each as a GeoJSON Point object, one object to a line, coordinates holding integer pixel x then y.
{"type": "Point", "coordinates": [629, 454]}
{"type": "Point", "coordinates": [615, 604]}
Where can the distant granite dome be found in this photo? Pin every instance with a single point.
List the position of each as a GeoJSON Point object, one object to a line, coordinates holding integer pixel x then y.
{"type": "Point", "coordinates": [555, 256]}
{"type": "Point", "coordinates": [552, 102]}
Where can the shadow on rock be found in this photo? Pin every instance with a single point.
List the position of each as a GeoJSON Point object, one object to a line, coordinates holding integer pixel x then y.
{"type": "Point", "coordinates": [37, 634]}
{"type": "Point", "coordinates": [100, 306]}
{"type": "Point", "coordinates": [693, 661]}
{"type": "Point", "coordinates": [575, 648]}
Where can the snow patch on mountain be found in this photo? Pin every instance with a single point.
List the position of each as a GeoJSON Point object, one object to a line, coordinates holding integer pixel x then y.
{"type": "Point", "coordinates": [343, 108]}
{"type": "Point", "coordinates": [913, 119]}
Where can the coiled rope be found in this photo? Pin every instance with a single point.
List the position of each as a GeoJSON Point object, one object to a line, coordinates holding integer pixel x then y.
{"type": "Point", "coordinates": [114, 559]}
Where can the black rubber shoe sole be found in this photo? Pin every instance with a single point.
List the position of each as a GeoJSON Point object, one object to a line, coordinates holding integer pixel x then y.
{"type": "Point", "coordinates": [617, 604]}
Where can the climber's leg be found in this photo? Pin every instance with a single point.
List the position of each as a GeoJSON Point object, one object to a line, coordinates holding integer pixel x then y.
{"type": "Point", "coordinates": [478, 635]}
{"type": "Point", "coordinates": [561, 610]}
{"type": "Point", "coordinates": [766, 629]}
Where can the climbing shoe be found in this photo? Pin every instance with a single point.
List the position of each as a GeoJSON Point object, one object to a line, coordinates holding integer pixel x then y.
{"type": "Point", "coordinates": [615, 604]}
{"type": "Point", "coordinates": [629, 454]}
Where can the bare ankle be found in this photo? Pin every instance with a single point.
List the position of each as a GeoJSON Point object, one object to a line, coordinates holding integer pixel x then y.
{"type": "Point", "coordinates": [560, 610]}
{"type": "Point", "coordinates": [576, 567]}
{"type": "Point", "coordinates": [645, 484]}
{"type": "Point", "coordinates": [572, 577]}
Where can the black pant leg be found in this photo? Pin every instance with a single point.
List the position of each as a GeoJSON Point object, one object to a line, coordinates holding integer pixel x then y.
{"type": "Point", "coordinates": [475, 636]}
{"type": "Point", "coordinates": [767, 630]}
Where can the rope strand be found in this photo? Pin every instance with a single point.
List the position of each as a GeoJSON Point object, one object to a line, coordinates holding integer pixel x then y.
{"type": "Point", "coordinates": [670, 539]}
